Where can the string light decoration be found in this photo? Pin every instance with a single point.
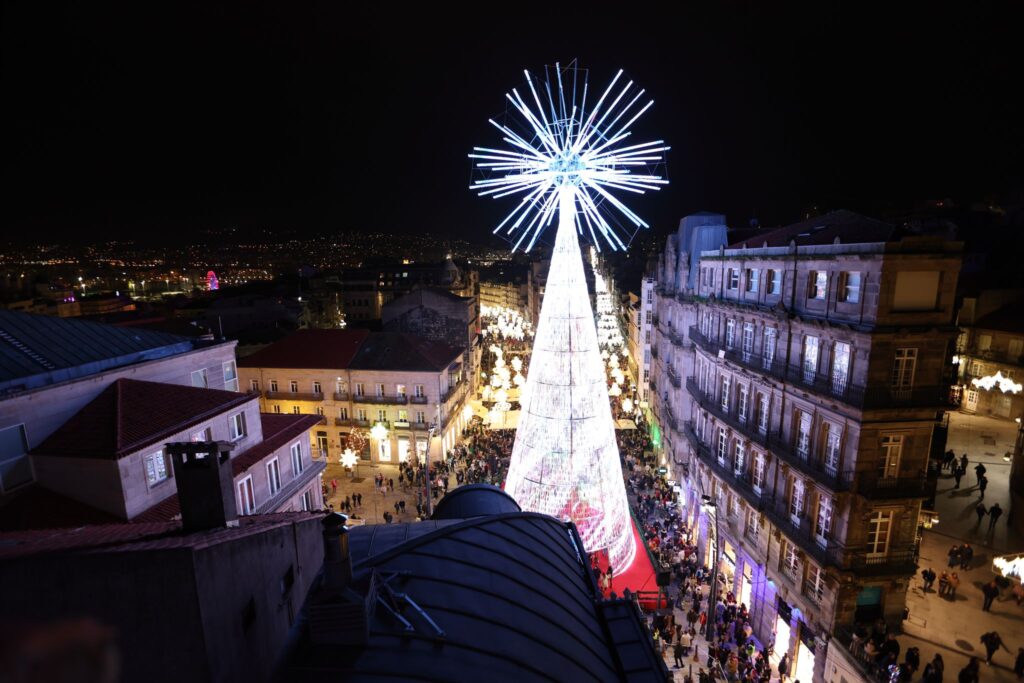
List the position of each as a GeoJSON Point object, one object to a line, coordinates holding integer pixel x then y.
{"type": "Point", "coordinates": [1005, 384]}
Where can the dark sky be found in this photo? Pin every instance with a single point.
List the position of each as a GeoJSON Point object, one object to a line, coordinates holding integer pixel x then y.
{"type": "Point", "coordinates": [125, 121]}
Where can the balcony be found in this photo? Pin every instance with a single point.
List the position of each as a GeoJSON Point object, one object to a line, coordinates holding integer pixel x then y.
{"type": "Point", "coordinates": [676, 338]}
{"type": "Point", "coordinates": [421, 400]}
{"type": "Point", "coordinates": [399, 400]}
{"type": "Point", "coordinates": [654, 350]}
{"type": "Point", "coordinates": [763, 365]}
{"type": "Point", "coordinates": [872, 486]}
{"type": "Point", "coordinates": [801, 531]}
{"type": "Point", "coordinates": [344, 422]}
{"type": "Point", "coordinates": [293, 396]}
{"type": "Point", "coordinates": [817, 470]}
{"type": "Point", "coordinates": [742, 482]}
{"type": "Point", "coordinates": [292, 487]}
{"type": "Point", "coordinates": [453, 391]}
{"type": "Point", "coordinates": [670, 418]}
{"type": "Point", "coordinates": [992, 355]}
{"type": "Point", "coordinates": [401, 424]}
{"type": "Point", "coordinates": [341, 396]}
{"type": "Point", "coordinates": [673, 377]}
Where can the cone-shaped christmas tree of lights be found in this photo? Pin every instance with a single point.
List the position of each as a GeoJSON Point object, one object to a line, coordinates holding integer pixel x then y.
{"type": "Point", "coordinates": [565, 461]}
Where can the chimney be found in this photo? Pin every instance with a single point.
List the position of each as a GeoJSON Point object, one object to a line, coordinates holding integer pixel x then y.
{"type": "Point", "coordinates": [206, 489]}
{"type": "Point", "coordinates": [337, 560]}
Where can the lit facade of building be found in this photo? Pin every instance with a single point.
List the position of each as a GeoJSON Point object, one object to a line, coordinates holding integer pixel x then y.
{"type": "Point", "coordinates": [640, 320]}
{"type": "Point", "coordinates": [353, 380]}
{"type": "Point", "coordinates": [799, 378]}
{"type": "Point", "coordinates": [991, 355]}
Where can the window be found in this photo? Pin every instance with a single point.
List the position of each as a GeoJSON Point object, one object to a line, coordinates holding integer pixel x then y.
{"type": "Point", "coordinates": [296, 451]}
{"type": "Point", "coordinates": [892, 451]}
{"type": "Point", "coordinates": [752, 280]}
{"type": "Point", "coordinates": [246, 497]}
{"type": "Point", "coordinates": [796, 501]}
{"type": "Point", "coordinates": [339, 387]}
{"type": "Point", "coordinates": [274, 476]}
{"type": "Point", "coordinates": [382, 415]}
{"type": "Point", "coordinates": [400, 390]}
{"type": "Point", "coordinates": [307, 500]}
{"type": "Point", "coordinates": [403, 415]}
{"type": "Point", "coordinates": [815, 588]}
{"type": "Point", "coordinates": [293, 386]}
{"type": "Point", "coordinates": [840, 367]}
{"type": "Point", "coordinates": [236, 426]}
{"type": "Point", "coordinates": [361, 415]}
{"type": "Point", "coordinates": [823, 524]}
{"type": "Point", "coordinates": [199, 379]}
{"type": "Point", "coordinates": [380, 390]}
{"type": "Point", "coordinates": [421, 418]}
{"type": "Point", "coordinates": [744, 398]}
{"type": "Point", "coordinates": [722, 442]}
{"type": "Point", "coordinates": [317, 388]}
{"type": "Point", "coordinates": [879, 532]}
{"type": "Point", "coordinates": [904, 364]}
{"type": "Point", "coordinates": [273, 385]}
{"type": "Point", "coordinates": [739, 462]}
{"type": "Point", "coordinates": [156, 468]}
{"type": "Point", "coordinates": [791, 559]}
{"type": "Point", "coordinates": [748, 341]}
{"type": "Point", "coordinates": [15, 466]}
{"type": "Point", "coordinates": [295, 410]}
{"type": "Point", "coordinates": [647, 317]}
{"type": "Point", "coordinates": [803, 433]}
{"type": "Point", "coordinates": [752, 525]}
{"type": "Point", "coordinates": [771, 338]}
{"type": "Point", "coordinates": [849, 287]}
{"type": "Point", "coordinates": [832, 434]}
{"type": "Point", "coordinates": [773, 281]}
{"type": "Point", "coordinates": [417, 391]}
{"type": "Point", "coordinates": [734, 278]}
{"type": "Point", "coordinates": [230, 375]}
{"type": "Point", "coordinates": [705, 324]}
{"type": "Point", "coordinates": [730, 333]}
{"type": "Point", "coordinates": [360, 389]}
{"type": "Point", "coordinates": [254, 385]}
{"type": "Point", "coordinates": [320, 410]}
{"type": "Point", "coordinates": [762, 413]}
{"type": "Point", "coordinates": [725, 394]}
{"type": "Point", "coordinates": [277, 408]}
{"type": "Point", "coordinates": [810, 358]}
{"type": "Point", "coordinates": [202, 436]}
{"type": "Point", "coordinates": [342, 413]}
{"type": "Point", "coordinates": [818, 284]}
{"type": "Point", "coordinates": [760, 467]}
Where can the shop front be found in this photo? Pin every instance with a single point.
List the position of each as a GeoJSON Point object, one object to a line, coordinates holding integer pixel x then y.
{"type": "Point", "coordinates": [746, 587]}
{"type": "Point", "coordinates": [803, 669]}
{"type": "Point", "coordinates": [783, 633]}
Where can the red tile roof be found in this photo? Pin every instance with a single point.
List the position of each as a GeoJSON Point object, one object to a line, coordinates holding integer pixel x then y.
{"type": "Point", "coordinates": [278, 431]}
{"type": "Point", "coordinates": [398, 351]}
{"type": "Point", "coordinates": [130, 415]}
{"type": "Point", "coordinates": [320, 349]}
{"type": "Point", "coordinates": [136, 537]}
{"type": "Point", "coordinates": [35, 507]}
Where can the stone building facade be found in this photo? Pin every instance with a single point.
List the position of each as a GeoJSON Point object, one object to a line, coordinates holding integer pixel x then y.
{"type": "Point", "coordinates": [800, 379]}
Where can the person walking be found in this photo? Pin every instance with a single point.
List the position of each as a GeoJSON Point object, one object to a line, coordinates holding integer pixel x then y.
{"type": "Point", "coordinates": [966, 555]}
{"type": "Point", "coordinates": [979, 472]}
{"type": "Point", "coordinates": [994, 513]}
{"type": "Point", "coordinates": [678, 652]}
{"type": "Point", "coordinates": [981, 511]}
{"type": "Point", "coordinates": [933, 670]}
{"type": "Point", "coordinates": [970, 673]}
{"type": "Point", "coordinates": [991, 591]}
{"type": "Point", "coordinates": [954, 556]}
{"type": "Point", "coordinates": [929, 578]}
{"type": "Point", "coordinates": [992, 642]}
{"type": "Point", "coordinates": [954, 583]}
{"type": "Point", "coordinates": [943, 583]}
{"type": "Point", "coordinates": [958, 474]}
{"type": "Point", "coordinates": [963, 462]}
{"type": "Point", "coordinates": [784, 668]}
{"type": "Point", "coordinates": [982, 485]}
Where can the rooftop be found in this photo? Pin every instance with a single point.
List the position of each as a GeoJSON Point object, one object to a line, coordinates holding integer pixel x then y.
{"type": "Point", "coordinates": [842, 226]}
{"type": "Point", "coordinates": [130, 414]}
{"type": "Point", "coordinates": [38, 350]}
{"type": "Point", "coordinates": [1009, 318]}
{"type": "Point", "coordinates": [320, 349]}
{"type": "Point", "coordinates": [398, 351]}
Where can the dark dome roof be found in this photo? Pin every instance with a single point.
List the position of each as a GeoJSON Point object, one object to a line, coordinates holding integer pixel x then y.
{"type": "Point", "coordinates": [475, 500]}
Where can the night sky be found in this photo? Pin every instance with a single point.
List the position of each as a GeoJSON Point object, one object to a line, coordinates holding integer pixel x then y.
{"type": "Point", "coordinates": [128, 122]}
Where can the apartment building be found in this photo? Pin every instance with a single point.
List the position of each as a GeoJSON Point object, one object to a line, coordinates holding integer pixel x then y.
{"type": "Point", "coordinates": [640, 326]}
{"type": "Point", "coordinates": [991, 355]}
{"type": "Point", "coordinates": [50, 368]}
{"type": "Point", "coordinates": [801, 406]}
{"type": "Point", "coordinates": [413, 389]}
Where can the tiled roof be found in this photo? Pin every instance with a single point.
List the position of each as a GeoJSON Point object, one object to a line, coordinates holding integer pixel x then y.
{"type": "Point", "coordinates": [36, 350]}
{"type": "Point", "coordinates": [319, 349]}
{"type": "Point", "coordinates": [34, 507]}
{"type": "Point", "coordinates": [398, 351]}
{"type": "Point", "coordinates": [130, 414]}
{"type": "Point", "coordinates": [278, 430]}
{"type": "Point", "coordinates": [846, 226]}
{"type": "Point", "coordinates": [136, 537]}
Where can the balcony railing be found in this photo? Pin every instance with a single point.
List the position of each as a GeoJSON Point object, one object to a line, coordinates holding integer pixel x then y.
{"type": "Point", "coordinates": [293, 396]}
{"type": "Point", "coordinates": [870, 485]}
{"type": "Point", "coordinates": [399, 399]}
{"type": "Point", "coordinates": [676, 338]}
{"type": "Point", "coordinates": [344, 422]}
{"type": "Point", "coordinates": [401, 424]}
{"type": "Point", "coordinates": [654, 350]}
{"type": "Point", "coordinates": [819, 471]}
{"type": "Point", "coordinates": [421, 400]}
{"type": "Point", "coordinates": [993, 355]}
{"type": "Point", "coordinates": [670, 417]}
{"type": "Point", "coordinates": [341, 396]}
{"type": "Point", "coordinates": [741, 481]}
{"type": "Point", "coordinates": [673, 377]}
{"type": "Point", "coordinates": [830, 386]}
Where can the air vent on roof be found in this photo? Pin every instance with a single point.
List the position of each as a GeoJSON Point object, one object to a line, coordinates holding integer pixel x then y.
{"type": "Point", "coordinates": [26, 350]}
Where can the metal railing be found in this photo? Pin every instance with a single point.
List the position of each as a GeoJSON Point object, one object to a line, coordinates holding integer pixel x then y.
{"type": "Point", "coordinates": [835, 479]}
{"type": "Point", "coordinates": [421, 400]}
{"type": "Point", "coordinates": [872, 486]}
{"type": "Point", "coordinates": [400, 399]}
{"type": "Point", "coordinates": [341, 396]}
{"type": "Point", "coordinates": [674, 377]}
{"type": "Point", "coordinates": [293, 395]}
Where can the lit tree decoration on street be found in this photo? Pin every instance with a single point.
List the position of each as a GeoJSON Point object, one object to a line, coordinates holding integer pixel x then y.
{"type": "Point", "coordinates": [569, 156]}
